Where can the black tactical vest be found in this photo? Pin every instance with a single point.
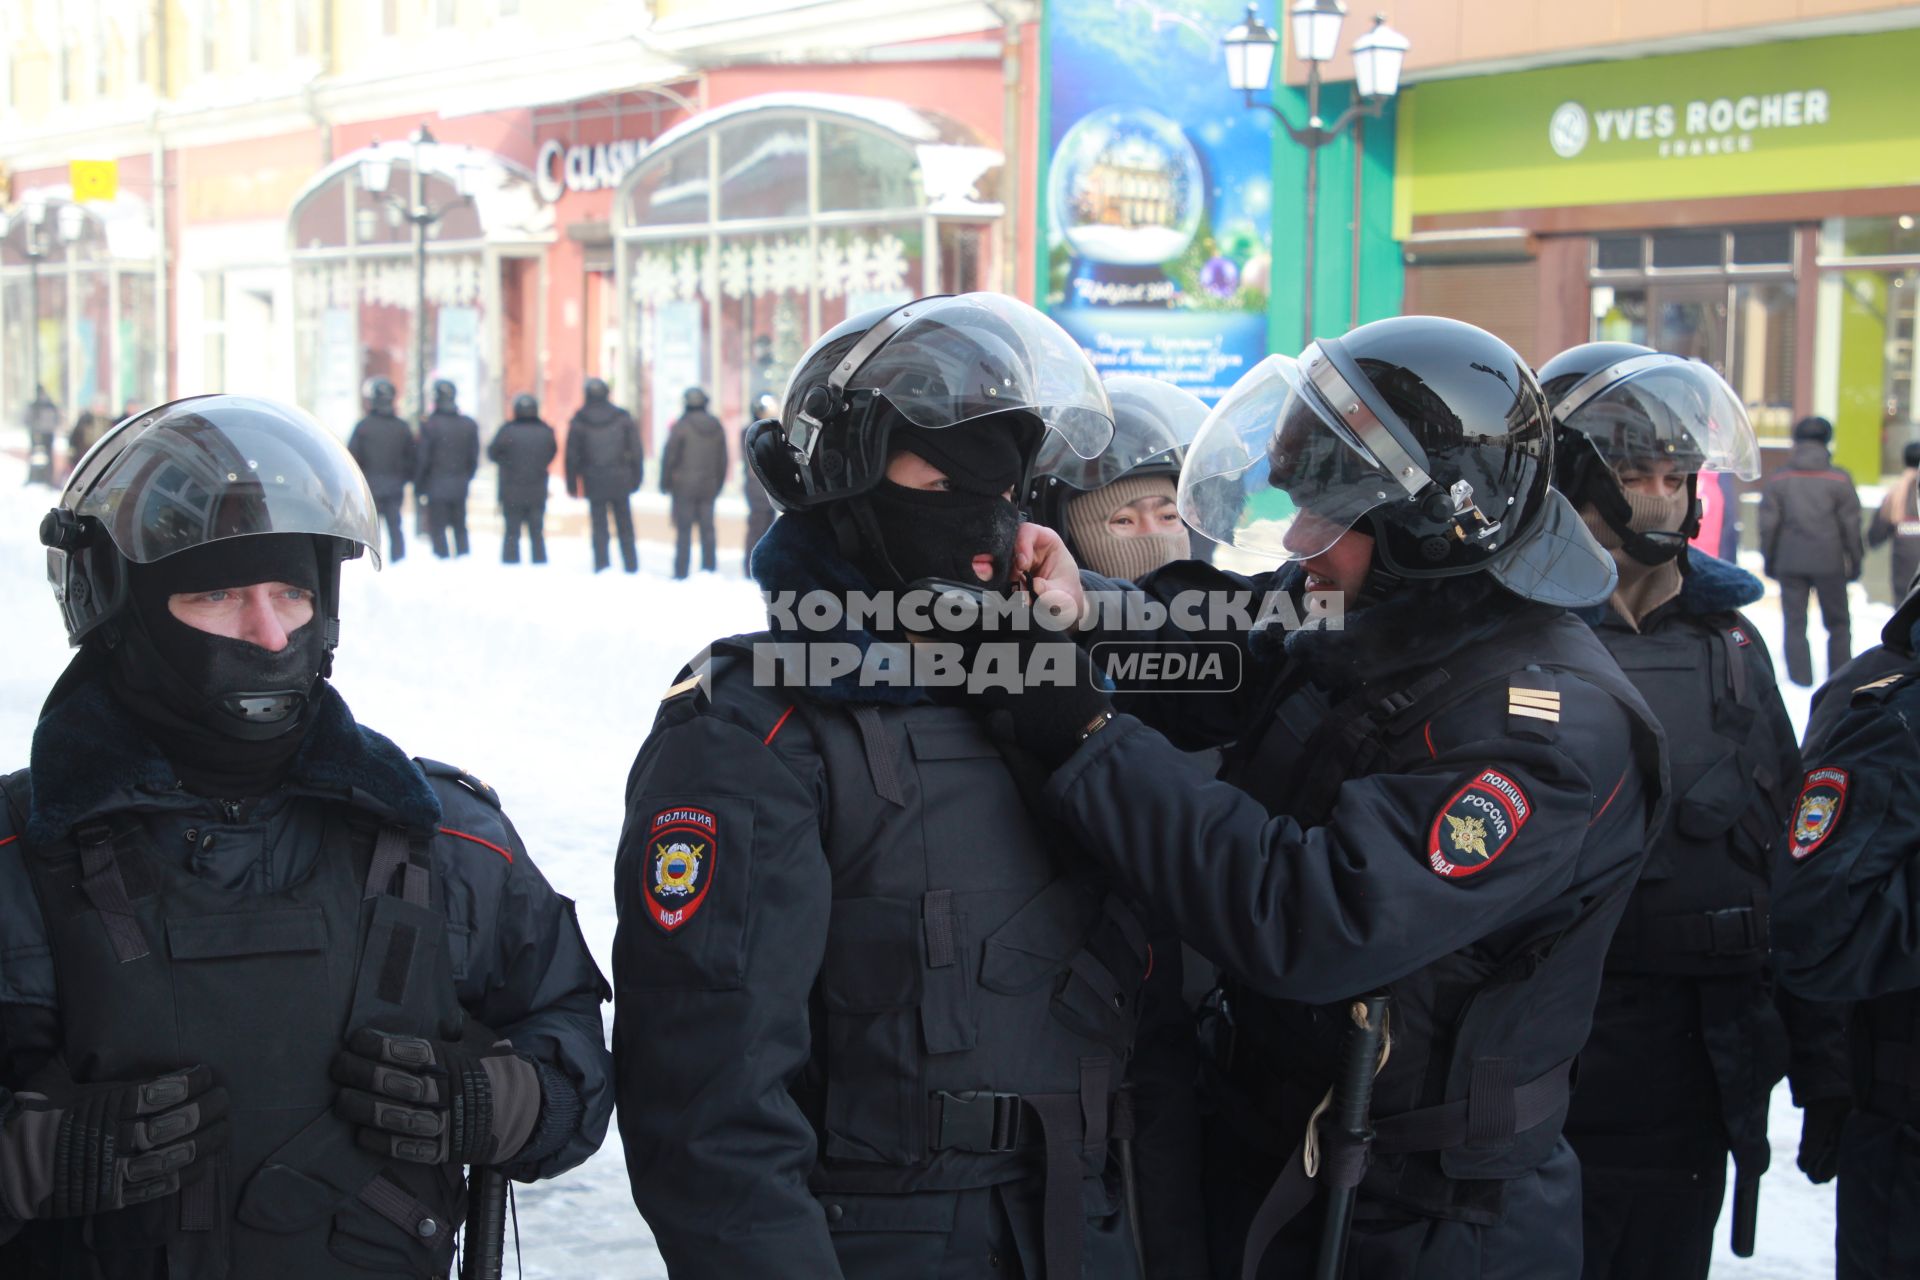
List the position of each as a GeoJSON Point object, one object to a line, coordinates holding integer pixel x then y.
{"type": "Point", "coordinates": [1493, 1026]}
{"type": "Point", "coordinates": [1701, 905]}
{"type": "Point", "coordinates": [157, 969]}
{"type": "Point", "coordinates": [976, 1008]}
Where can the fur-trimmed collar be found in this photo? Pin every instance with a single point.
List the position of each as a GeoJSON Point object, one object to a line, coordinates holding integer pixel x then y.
{"type": "Point", "coordinates": [1710, 585]}
{"type": "Point", "coordinates": [90, 756]}
{"type": "Point", "coordinates": [801, 553]}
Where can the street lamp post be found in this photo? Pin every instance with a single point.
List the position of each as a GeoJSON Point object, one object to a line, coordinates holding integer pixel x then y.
{"type": "Point", "coordinates": [376, 174]}
{"type": "Point", "coordinates": [1377, 58]}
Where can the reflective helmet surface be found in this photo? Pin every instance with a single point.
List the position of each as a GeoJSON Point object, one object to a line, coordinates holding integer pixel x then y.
{"type": "Point", "coordinates": [189, 473]}
{"type": "Point", "coordinates": [936, 363]}
{"type": "Point", "coordinates": [526, 407]}
{"type": "Point", "coordinates": [1431, 431]}
{"type": "Point", "coordinates": [694, 399]}
{"type": "Point", "coordinates": [380, 395]}
{"type": "Point", "coordinates": [445, 395]}
{"type": "Point", "coordinates": [1632, 408]}
{"type": "Point", "coordinates": [1153, 423]}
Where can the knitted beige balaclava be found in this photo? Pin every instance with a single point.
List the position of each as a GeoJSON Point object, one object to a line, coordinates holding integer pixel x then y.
{"type": "Point", "coordinates": [1643, 587]}
{"type": "Point", "coordinates": [1122, 555]}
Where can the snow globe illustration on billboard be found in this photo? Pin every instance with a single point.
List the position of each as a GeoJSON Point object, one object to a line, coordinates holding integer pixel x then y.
{"type": "Point", "coordinates": [1125, 193]}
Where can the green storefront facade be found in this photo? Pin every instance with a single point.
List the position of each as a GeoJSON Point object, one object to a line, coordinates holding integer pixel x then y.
{"type": "Point", "coordinates": [1755, 207]}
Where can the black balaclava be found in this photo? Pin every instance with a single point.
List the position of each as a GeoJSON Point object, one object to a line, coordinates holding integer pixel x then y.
{"type": "Point", "coordinates": [926, 533]}
{"type": "Point", "coordinates": [228, 714]}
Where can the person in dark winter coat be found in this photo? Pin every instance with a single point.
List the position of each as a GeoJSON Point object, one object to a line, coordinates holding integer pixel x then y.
{"type": "Point", "coordinates": [760, 510]}
{"type": "Point", "coordinates": [693, 466]}
{"type": "Point", "coordinates": [605, 466]}
{"type": "Point", "coordinates": [449, 457]}
{"type": "Point", "coordinates": [1688, 982]}
{"type": "Point", "coordinates": [269, 983]}
{"type": "Point", "coordinates": [1845, 889]}
{"type": "Point", "coordinates": [877, 1017]}
{"type": "Point", "coordinates": [523, 448]}
{"type": "Point", "coordinates": [1447, 802]}
{"type": "Point", "coordinates": [1898, 521]}
{"type": "Point", "coordinates": [1810, 536]}
{"type": "Point", "coordinates": [382, 443]}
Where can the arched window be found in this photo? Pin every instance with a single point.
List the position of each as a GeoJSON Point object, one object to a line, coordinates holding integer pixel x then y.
{"type": "Point", "coordinates": [748, 230]}
{"type": "Point", "coordinates": [355, 277]}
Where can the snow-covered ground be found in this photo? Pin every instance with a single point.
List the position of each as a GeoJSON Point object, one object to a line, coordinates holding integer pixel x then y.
{"type": "Point", "coordinates": [543, 681]}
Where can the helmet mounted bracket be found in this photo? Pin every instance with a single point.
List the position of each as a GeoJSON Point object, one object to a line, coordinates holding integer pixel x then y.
{"type": "Point", "coordinates": [823, 403]}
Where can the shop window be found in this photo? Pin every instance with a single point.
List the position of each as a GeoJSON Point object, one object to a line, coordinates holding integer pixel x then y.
{"type": "Point", "coordinates": [672, 189]}
{"type": "Point", "coordinates": [763, 170]}
{"type": "Point", "coordinates": [1875, 237]}
{"type": "Point", "coordinates": [1761, 370]}
{"type": "Point", "coordinates": [1619, 253]}
{"type": "Point", "coordinates": [1681, 250]}
{"type": "Point", "coordinates": [862, 170]}
{"type": "Point", "coordinates": [1620, 315]}
{"type": "Point", "coordinates": [1762, 247]}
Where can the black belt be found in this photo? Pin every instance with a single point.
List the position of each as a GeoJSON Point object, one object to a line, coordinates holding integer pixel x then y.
{"type": "Point", "coordinates": [1067, 1126]}
{"type": "Point", "coordinates": [1731, 932]}
{"type": "Point", "coordinates": [1494, 1110]}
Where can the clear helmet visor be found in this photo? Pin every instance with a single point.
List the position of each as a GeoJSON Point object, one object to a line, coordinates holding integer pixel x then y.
{"type": "Point", "coordinates": [956, 359]}
{"type": "Point", "coordinates": [214, 467]}
{"type": "Point", "coordinates": [1664, 413]}
{"type": "Point", "coordinates": [1274, 472]}
{"type": "Point", "coordinates": [1153, 421]}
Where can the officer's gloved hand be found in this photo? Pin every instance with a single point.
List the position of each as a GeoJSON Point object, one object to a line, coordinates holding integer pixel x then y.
{"type": "Point", "coordinates": [471, 1101]}
{"type": "Point", "coordinates": [86, 1149]}
{"type": "Point", "coordinates": [1820, 1123]}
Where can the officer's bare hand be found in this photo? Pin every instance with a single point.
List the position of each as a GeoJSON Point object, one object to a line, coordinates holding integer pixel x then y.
{"type": "Point", "coordinates": [1041, 559]}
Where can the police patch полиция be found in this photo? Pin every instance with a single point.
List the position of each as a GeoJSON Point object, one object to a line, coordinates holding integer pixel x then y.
{"type": "Point", "coordinates": [1477, 825]}
{"type": "Point", "coordinates": [1817, 812]}
{"type": "Point", "coordinates": [682, 846]}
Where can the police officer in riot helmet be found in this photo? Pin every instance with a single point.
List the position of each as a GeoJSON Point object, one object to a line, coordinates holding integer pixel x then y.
{"type": "Point", "coordinates": [523, 449]}
{"type": "Point", "coordinates": [943, 1035]}
{"type": "Point", "coordinates": [383, 444]}
{"type": "Point", "coordinates": [1844, 894]}
{"type": "Point", "coordinates": [1447, 802]}
{"type": "Point", "coordinates": [605, 465]}
{"type": "Point", "coordinates": [1117, 513]}
{"type": "Point", "coordinates": [1687, 980]}
{"type": "Point", "coordinates": [449, 457]}
{"type": "Point", "coordinates": [268, 989]}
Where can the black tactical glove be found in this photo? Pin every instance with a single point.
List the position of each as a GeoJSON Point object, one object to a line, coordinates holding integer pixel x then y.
{"type": "Point", "coordinates": [472, 1101]}
{"type": "Point", "coordinates": [1820, 1123]}
{"type": "Point", "coordinates": [86, 1149]}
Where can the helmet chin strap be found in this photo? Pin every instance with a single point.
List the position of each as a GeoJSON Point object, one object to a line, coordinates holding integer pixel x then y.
{"type": "Point", "coordinates": [1599, 486]}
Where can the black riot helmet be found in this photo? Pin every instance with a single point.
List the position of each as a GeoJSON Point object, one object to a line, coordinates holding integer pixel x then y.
{"type": "Point", "coordinates": [1623, 409]}
{"type": "Point", "coordinates": [379, 395]}
{"type": "Point", "coordinates": [444, 396]}
{"type": "Point", "coordinates": [694, 399]}
{"type": "Point", "coordinates": [935, 364]}
{"type": "Point", "coordinates": [194, 472]}
{"type": "Point", "coordinates": [596, 391]}
{"type": "Point", "coordinates": [525, 408]}
{"type": "Point", "coordinates": [1153, 423]}
{"type": "Point", "coordinates": [1430, 434]}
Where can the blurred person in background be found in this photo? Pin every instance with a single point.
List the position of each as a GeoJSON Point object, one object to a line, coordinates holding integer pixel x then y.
{"type": "Point", "coordinates": [1687, 981]}
{"type": "Point", "coordinates": [523, 448]}
{"type": "Point", "coordinates": [449, 457]}
{"type": "Point", "coordinates": [1116, 512]}
{"type": "Point", "coordinates": [382, 443]}
{"type": "Point", "coordinates": [1810, 536]}
{"type": "Point", "coordinates": [605, 466]}
{"type": "Point", "coordinates": [760, 512]}
{"type": "Point", "coordinates": [87, 430]}
{"type": "Point", "coordinates": [42, 421]}
{"type": "Point", "coordinates": [1898, 521]}
{"type": "Point", "coordinates": [693, 466]}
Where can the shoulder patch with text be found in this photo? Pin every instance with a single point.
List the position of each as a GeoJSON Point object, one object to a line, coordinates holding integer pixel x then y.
{"type": "Point", "coordinates": [1476, 826]}
{"type": "Point", "coordinates": [682, 847]}
{"type": "Point", "coordinates": [1738, 636]}
{"type": "Point", "coordinates": [1816, 815]}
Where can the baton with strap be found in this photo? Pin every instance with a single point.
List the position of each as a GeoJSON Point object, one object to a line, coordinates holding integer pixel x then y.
{"type": "Point", "coordinates": [486, 1225]}
{"type": "Point", "coordinates": [1351, 1117]}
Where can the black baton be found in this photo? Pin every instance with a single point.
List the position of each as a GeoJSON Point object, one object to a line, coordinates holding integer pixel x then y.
{"type": "Point", "coordinates": [1746, 1210]}
{"type": "Point", "coordinates": [486, 1225]}
{"type": "Point", "coordinates": [1350, 1117]}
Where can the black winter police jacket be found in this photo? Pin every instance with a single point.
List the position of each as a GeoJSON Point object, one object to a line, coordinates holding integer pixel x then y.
{"type": "Point", "coordinates": [518, 963]}
{"type": "Point", "coordinates": [449, 456]}
{"type": "Point", "coordinates": [384, 447]}
{"type": "Point", "coordinates": [875, 1017]}
{"type": "Point", "coordinates": [1448, 799]}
